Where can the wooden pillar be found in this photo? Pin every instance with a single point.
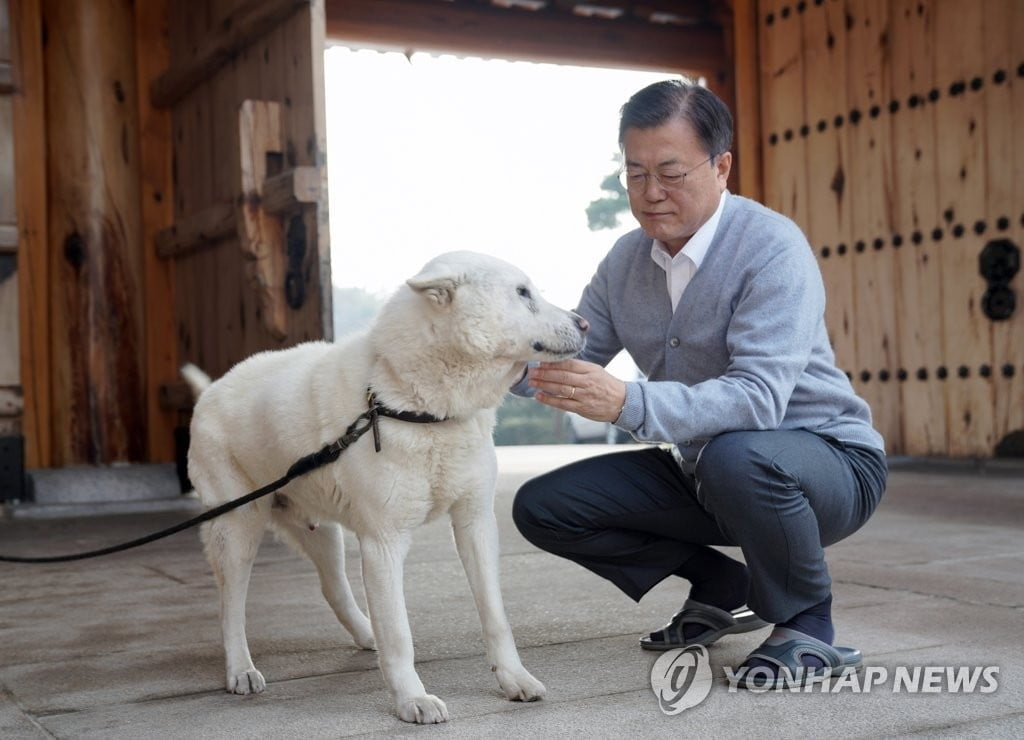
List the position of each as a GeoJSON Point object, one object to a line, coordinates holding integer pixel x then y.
{"type": "Point", "coordinates": [30, 200]}
{"type": "Point", "coordinates": [94, 233]}
{"type": "Point", "coordinates": [743, 50]}
{"type": "Point", "coordinates": [157, 212]}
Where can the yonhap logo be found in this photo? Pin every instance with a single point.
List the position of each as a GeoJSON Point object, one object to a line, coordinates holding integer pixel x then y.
{"type": "Point", "coordinates": [681, 678]}
{"type": "Point", "coordinates": [903, 680]}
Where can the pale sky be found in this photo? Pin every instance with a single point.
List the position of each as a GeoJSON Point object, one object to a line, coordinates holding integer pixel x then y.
{"type": "Point", "coordinates": [430, 154]}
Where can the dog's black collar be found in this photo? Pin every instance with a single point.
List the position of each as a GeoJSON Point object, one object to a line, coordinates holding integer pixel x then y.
{"type": "Point", "coordinates": [375, 409]}
{"type": "Point", "coordinates": [413, 416]}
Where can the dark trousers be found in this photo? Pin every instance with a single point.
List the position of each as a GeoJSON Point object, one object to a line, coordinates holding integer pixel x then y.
{"type": "Point", "coordinates": [781, 496]}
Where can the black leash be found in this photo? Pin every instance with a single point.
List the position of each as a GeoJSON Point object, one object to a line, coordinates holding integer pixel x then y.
{"type": "Point", "coordinates": [365, 422]}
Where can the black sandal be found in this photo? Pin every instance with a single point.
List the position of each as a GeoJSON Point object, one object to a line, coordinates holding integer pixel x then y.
{"type": "Point", "coordinates": [784, 651]}
{"type": "Point", "coordinates": [717, 623]}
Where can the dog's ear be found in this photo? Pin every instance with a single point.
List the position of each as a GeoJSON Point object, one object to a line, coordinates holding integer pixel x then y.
{"type": "Point", "coordinates": [436, 286]}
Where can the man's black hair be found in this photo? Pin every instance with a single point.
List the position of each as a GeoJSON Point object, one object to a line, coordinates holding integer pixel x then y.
{"type": "Point", "coordinates": [659, 103]}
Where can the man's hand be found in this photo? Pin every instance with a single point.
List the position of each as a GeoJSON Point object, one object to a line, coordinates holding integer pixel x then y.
{"type": "Point", "coordinates": [581, 387]}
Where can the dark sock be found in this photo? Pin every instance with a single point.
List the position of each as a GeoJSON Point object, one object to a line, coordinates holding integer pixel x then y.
{"type": "Point", "coordinates": [716, 580]}
{"type": "Point", "coordinates": [815, 621]}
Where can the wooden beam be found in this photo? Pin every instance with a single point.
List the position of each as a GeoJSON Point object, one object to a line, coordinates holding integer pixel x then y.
{"type": "Point", "coordinates": [29, 113]}
{"type": "Point", "coordinates": [685, 10]}
{"type": "Point", "coordinates": [402, 25]}
{"type": "Point", "coordinates": [281, 193]}
{"type": "Point", "coordinates": [288, 190]}
{"type": "Point", "coordinates": [157, 206]}
{"type": "Point", "coordinates": [201, 230]}
{"type": "Point", "coordinates": [237, 30]}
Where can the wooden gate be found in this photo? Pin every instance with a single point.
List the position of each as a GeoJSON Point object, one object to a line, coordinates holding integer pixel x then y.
{"type": "Point", "coordinates": [249, 241]}
{"type": "Point", "coordinates": [889, 136]}
{"type": "Point", "coordinates": [170, 166]}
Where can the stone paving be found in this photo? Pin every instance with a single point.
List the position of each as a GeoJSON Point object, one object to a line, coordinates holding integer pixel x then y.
{"type": "Point", "coordinates": [128, 646]}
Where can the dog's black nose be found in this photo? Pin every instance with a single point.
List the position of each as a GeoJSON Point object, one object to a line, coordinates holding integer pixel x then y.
{"type": "Point", "coordinates": [582, 323]}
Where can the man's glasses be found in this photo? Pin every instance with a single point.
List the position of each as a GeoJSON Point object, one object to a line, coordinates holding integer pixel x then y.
{"type": "Point", "coordinates": [636, 182]}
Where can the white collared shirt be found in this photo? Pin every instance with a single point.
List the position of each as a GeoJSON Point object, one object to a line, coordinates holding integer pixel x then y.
{"type": "Point", "coordinates": [679, 270]}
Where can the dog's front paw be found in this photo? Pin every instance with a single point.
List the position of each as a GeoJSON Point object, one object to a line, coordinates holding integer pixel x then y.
{"type": "Point", "coordinates": [424, 710]}
{"type": "Point", "coordinates": [519, 685]}
{"type": "Point", "coordinates": [246, 682]}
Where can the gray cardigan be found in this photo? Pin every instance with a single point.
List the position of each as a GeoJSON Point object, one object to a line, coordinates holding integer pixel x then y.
{"type": "Point", "coordinates": [746, 348]}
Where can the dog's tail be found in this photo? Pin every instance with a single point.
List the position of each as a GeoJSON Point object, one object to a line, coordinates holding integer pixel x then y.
{"type": "Point", "coordinates": [197, 380]}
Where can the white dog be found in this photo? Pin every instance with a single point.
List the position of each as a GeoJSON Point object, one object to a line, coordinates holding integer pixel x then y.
{"type": "Point", "coordinates": [448, 344]}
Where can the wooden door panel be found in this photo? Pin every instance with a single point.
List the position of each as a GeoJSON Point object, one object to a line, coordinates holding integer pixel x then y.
{"type": "Point", "coordinates": [227, 304]}
{"type": "Point", "coordinates": [902, 199]}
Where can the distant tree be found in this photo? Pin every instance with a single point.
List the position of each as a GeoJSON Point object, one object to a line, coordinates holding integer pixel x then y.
{"type": "Point", "coordinates": [354, 309]}
{"type": "Point", "coordinates": [604, 212]}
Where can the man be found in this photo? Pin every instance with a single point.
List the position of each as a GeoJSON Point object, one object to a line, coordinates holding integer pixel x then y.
{"type": "Point", "coordinates": [720, 303]}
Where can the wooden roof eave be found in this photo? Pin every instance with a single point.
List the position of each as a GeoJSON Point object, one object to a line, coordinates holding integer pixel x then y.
{"type": "Point", "coordinates": [561, 38]}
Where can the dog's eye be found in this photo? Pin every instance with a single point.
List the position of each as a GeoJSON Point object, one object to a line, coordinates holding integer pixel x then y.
{"type": "Point", "coordinates": [523, 291]}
